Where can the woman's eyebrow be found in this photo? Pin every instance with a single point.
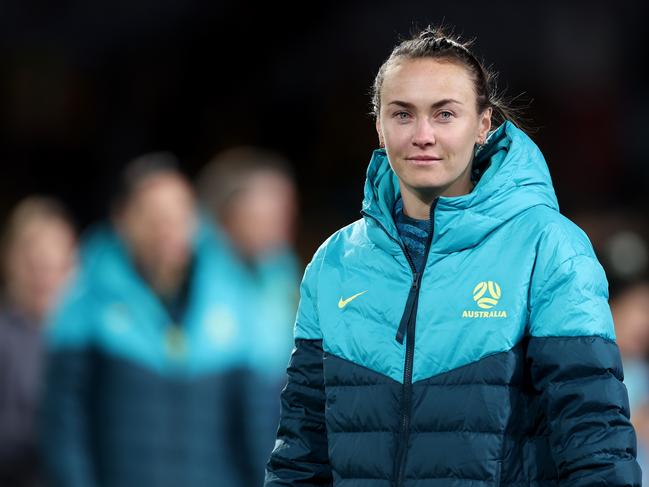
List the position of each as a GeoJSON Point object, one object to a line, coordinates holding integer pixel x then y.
{"type": "Point", "coordinates": [437, 104]}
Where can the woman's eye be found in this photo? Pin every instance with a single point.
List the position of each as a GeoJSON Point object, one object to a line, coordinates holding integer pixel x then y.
{"type": "Point", "coordinates": [445, 115]}
{"type": "Point", "coordinates": [402, 115]}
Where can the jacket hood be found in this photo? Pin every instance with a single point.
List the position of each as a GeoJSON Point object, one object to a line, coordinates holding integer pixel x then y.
{"type": "Point", "coordinates": [515, 178]}
{"type": "Point", "coordinates": [106, 263]}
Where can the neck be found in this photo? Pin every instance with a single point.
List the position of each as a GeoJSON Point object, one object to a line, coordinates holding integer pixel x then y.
{"type": "Point", "coordinates": [164, 280]}
{"type": "Point", "coordinates": [417, 206]}
{"type": "Point", "coordinates": [417, 201]}
{"type": "Point", "coordinates": [29, 305]}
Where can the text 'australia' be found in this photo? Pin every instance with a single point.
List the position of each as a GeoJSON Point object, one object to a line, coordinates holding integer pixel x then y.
{"type": "Point", "coordinates": [484, 314]}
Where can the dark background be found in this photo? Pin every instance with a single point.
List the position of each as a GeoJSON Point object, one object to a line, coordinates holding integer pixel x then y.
{"type": "Point", "coordinates": [87, 85]}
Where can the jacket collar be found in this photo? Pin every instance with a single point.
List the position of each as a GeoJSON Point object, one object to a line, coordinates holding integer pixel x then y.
{"type": "Point", "coordinates": [515, 178]}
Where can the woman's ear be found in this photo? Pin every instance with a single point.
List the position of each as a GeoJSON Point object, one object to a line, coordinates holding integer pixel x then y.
{"type": "Point", "coordinates": [485, 125]}
{"type": "Point", "coordinates": [379, 132]}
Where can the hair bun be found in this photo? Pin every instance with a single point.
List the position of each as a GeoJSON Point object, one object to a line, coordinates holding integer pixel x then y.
{"type": "Point", "coordinates": [438, 39]}
{"type": "Point", "coordinates": [432, 34]}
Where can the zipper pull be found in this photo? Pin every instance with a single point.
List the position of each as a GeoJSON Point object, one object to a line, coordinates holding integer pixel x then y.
{"type": "Point", "coordinates": [401, 333]}
{"type": "Point", "coordinates": [415, 280]}
{"type": "Point", "coordinates": [407, 314]}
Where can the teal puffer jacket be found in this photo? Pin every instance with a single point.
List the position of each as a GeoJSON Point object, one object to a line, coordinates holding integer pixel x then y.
{"type": "Point", "coordinates": [496, 366]}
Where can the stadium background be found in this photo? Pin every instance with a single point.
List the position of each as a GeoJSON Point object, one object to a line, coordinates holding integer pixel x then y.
{"type": "Point", "coordinates": [86, 86]}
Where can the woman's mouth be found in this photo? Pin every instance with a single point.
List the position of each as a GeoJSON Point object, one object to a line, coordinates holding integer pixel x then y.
{"type": "Point", "coordinates": [423, 160]}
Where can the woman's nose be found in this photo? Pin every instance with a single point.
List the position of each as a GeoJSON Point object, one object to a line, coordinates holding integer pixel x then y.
{"type": "Point", "coordinates": [424, 134]}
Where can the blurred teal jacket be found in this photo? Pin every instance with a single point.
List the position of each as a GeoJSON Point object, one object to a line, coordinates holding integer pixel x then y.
{"type": "Point", "coordinates": [271, 286]}
{"type": "Point", "coordinates": [137, 398]}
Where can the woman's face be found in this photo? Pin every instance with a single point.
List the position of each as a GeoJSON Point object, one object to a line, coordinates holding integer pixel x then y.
{"type": "Point", "coordinates": [260, 218]}
{"type": "Point", "coordinates": [159, 222]}
{"type": "Point", "coordinates": [429, 124]}
{"type": "Point", "coordinates": [40, 259]}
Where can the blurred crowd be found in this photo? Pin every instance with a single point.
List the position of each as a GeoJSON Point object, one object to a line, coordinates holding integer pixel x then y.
{"type": "Point", "coordinates": [151, 349]}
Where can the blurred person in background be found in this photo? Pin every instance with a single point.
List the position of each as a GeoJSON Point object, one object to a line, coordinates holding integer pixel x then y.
{"type": "Point", "coordinates": [145, 373]}
{"type": "Point", "coordinates": [250, 195]}
{"type": "Point", "coordinates": [38, 257]}
{"type": "Point", "coordinates": [622, 245]}
{"type": "Point", "coordinates": [630, 307]}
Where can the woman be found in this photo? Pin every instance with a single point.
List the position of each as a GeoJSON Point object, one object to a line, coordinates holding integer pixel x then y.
{"type": "Point", "coordinates": [146, 377]}
{"type": "Point", "coordinates": [249, 193]}
{"type": "Point", "coordinates": [459, 333]}
{"type": "Point", "coordinates": [38, 257]}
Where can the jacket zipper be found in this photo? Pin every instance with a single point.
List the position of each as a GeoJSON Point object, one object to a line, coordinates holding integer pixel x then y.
{"type": "Point", "coordinates": [407, 326]}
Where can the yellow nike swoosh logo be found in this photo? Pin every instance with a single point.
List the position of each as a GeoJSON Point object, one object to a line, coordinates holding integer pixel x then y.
{"type": "Point", "coordinates": [344, 302]}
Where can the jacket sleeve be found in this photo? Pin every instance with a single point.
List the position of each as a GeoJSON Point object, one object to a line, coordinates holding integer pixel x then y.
{"type": "Point", "coordinates": [66, 404]}
{"type": "Point", "coordinates": [575, 368]}
{"type": "Point", "coordinates": [300, 457]}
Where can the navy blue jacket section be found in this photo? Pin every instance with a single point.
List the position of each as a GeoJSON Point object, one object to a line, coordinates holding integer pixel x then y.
{"type": "Point", "coordinates": [587, 410]}
{"type": "Point", "coordinates": [300, 456]}
{"type": "Point", "coordinates": [140, 428]}
{"type": "Point", "coordinates": [530, 416]}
